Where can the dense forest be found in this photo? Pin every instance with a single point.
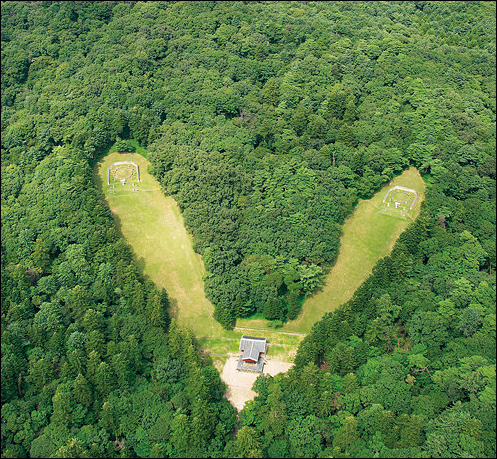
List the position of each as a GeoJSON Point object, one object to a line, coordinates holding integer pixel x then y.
{"type": "Point", "coordinates": [267, 122]}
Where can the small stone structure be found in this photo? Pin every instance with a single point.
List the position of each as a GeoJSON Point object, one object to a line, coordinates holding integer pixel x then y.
{"type": "Point", "coordinates": [401, 188]}
{"type": "Point", "coordinates": [123, 163]}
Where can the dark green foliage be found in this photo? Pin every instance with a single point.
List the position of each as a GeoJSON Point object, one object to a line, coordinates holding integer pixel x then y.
{"type": "Point", "coordinates": [266, 122]}
{"type": "Point", "coordinates": [77, 362]}
{"type": "Point", "coordinates": [405, 384]}
{"type": "Point", "coordinates": [124, 146]}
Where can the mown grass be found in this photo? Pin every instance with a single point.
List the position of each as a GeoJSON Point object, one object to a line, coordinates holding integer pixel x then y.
{"type": "Point", "coordinates": [153, 226]}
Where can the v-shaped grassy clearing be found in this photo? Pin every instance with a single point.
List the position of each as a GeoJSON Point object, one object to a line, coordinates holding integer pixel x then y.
{"type": "Point", "coordinates": [154, 228]}
{"type": "Point", "coordinates": [367, 236]}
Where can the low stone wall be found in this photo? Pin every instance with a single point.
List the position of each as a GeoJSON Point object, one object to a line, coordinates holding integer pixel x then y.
{"type": "Point", "coordinates": [118, 163]}
{"type": "Point", "coordinates": [403, 188]}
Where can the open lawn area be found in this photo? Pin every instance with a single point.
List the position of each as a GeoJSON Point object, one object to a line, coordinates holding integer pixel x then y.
{"type": "Point", "coordinates": [153, 226]}
{"type": "Point", "coordinates": [367, 236]}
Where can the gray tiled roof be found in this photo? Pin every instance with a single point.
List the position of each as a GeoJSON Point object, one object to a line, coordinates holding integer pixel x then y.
{"type": "Point", "coordinates": [256, 367]}
{"type": "Point", "coordinates": [252, 347]}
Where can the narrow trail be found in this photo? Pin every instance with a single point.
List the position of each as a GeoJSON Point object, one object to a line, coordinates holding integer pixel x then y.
{"type": "Point", "coordinates": [272, 331]}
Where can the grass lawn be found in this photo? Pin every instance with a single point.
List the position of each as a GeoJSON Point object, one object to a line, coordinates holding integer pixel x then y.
{"type": "Point", "coordinates": [367, 236]}
{"type": "Point", "coordinates": [153, 226]}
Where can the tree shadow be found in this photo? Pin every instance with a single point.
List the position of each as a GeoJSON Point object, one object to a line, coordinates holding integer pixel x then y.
{"type": "Point", "coordinates": [97, 180]}
{"type": "Point", "coordinates": [173, 308]}
{"type": "Point", "coordinates": [140, 262]}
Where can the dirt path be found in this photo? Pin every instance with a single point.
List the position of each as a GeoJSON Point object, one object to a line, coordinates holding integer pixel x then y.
{"type": "Point", "coordinates": [240, 382]}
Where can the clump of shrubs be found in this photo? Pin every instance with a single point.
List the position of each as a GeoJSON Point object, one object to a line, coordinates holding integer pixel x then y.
{"type": "Point", "coordinates": [124, 146]}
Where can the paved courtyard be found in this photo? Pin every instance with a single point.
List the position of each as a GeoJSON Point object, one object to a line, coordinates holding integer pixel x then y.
{"type": "Point", "coordinates": [240, 382]}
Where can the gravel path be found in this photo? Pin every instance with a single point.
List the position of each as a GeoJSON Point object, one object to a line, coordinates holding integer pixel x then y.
{"type": "Point", "coordinates": [240, 382]}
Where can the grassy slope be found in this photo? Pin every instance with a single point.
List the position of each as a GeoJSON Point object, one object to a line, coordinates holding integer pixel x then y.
{"type": "Point", "coordinates": [367, 236]}
{"type": "Point", "coordinates": [153, 226]}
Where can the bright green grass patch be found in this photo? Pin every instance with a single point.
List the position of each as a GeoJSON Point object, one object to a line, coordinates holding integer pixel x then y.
{"type": "Point", "coordinates": [153, 226]}
{"type": "Point", "coordinates": [281, 352]}
{"type": "Point", "coordinates": [367, 236]}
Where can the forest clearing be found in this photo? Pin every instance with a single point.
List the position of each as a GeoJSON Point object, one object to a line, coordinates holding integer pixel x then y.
{"type": "Point", "coordinates": [248, 229]}
{"type": "Point", "coordinates": [153, 226]}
